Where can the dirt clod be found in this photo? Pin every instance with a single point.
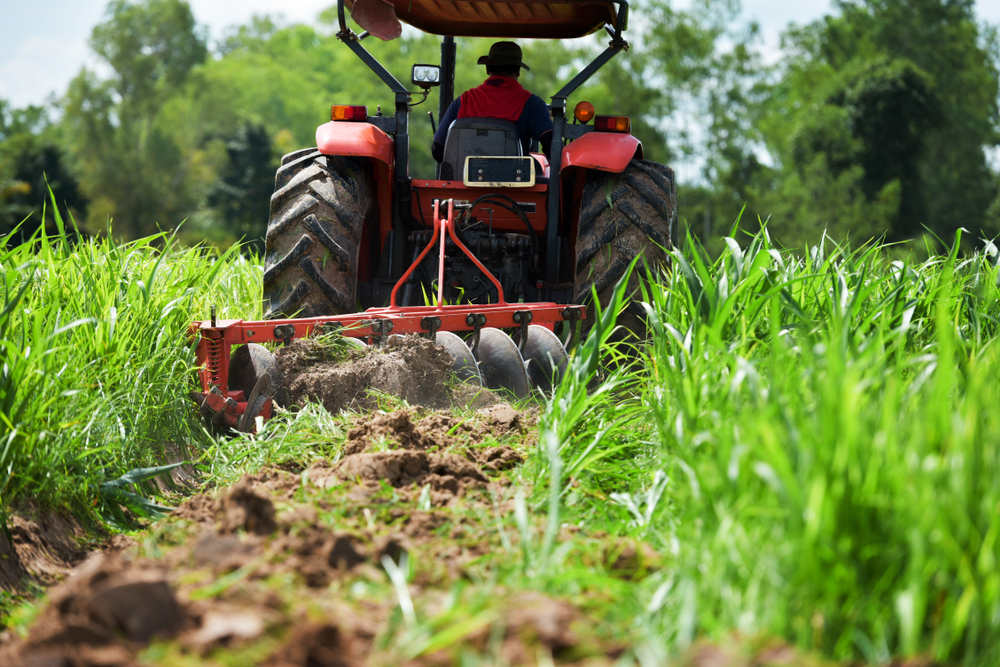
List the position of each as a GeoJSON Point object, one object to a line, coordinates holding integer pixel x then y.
{"type": "Point", "coordinates": [503, 416]}
{"type": "Point", "coordinates": [140, 609]}
{"type": "Point", "coordinates": [396, 428]}
{"type": "Point", "coordinates": [534, 617]}
{"type": "Point", "coordinates": [105, 598]}
{"type": "Point", "coordinates": [221, 552]}
{"type": "Point", "coordinates": [444, 472]}
{"type": "Point", "coordinates": [245, 507]}
{"type": "Point", "coordinates": [316, 645]}
{"type": "Point", "coordinates": [198, 509]}
{"type": "Point", "coordinates": [223, 627]}
{"type": "Point", "coordinates": [344, 554]}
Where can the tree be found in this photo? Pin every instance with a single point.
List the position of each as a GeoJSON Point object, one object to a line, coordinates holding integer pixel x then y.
{"type": "Point", "coordinates": [33, 165]}
{"type": "Point", "coordinates": [240, 197]}
{"type": "Point", "coordinates": [900, 97]}
{"type": "Point", "coordinates": [710, 82]}
{"type": "Point", "coordinates": [135, 164]}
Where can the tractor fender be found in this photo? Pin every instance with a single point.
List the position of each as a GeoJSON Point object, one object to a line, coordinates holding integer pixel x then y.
{"type": "Point", "coordinates": [356, 140]}
{"type": "Point", "coordinates": [364, 140]}
{"type": "Point", "coordinates": [603, 151]}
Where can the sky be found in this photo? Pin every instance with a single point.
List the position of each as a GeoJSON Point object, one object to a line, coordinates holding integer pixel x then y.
{"type": "Point", "coordinates": [44, 44]}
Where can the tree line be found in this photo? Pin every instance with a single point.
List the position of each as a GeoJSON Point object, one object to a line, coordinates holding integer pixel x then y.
{"type": "Point", "coordinates": [879, 120]}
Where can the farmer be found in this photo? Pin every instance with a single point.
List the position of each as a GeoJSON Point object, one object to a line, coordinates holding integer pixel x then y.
{"type": "Point", "coordinates": [501, 97]}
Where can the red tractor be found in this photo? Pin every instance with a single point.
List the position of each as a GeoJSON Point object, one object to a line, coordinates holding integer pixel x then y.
{"type": "Point", "coordinates": [516, 242]}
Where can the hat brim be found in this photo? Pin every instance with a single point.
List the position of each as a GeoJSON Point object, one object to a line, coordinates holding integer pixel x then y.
{"type": "Point", "coordinates": [500, 62]}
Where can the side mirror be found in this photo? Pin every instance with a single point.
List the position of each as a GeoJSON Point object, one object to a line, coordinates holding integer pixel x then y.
{"type": "Point", "coordinates": [426, 76]}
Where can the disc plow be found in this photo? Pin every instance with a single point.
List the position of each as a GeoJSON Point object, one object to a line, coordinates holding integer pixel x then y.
{"type": "Point", "coordinates": [240, 379]}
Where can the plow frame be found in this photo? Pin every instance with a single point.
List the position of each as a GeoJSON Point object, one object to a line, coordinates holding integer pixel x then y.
{"type": "Point", "coordinates": [216, 338]}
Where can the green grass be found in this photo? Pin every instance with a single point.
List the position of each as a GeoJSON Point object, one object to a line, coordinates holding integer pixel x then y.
{"type": "Point", "coordinates": [808, 441]}
{"type": "Point", "coordinates": [814, 443]}
{"type": "Point", "coordinates": [96, 360]}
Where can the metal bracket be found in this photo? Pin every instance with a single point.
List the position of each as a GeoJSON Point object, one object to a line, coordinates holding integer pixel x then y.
{"type": "Point", "coordinates": [285, 333]}
{"type": "Point", "coordinates": [218, 408]}
{"type": "Point", "coordinates": [255, 403]}
{"type": "Point", "coordinates": [523, 318]}
{"type": "Point", "coordinates": [381, 329]}
{"type": "Point", "coordinates": [330, 328]}
{"type": "Point", "coordinates": [430, 325]}
{"type": "Point", "coordinates": [477, 321]}
{"type": "Point", "coordinates": [571, 315]}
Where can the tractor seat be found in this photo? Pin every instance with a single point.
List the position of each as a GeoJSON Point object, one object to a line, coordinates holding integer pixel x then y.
{"type": "Point", "coordinates": [476, 136]}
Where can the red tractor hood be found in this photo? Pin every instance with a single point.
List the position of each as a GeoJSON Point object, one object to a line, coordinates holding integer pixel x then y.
{"type": "Point", "coordinates": [544, 19]}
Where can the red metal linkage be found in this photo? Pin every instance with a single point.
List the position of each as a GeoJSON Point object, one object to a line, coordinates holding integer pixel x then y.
{"type": "Point", "coordinates": [416, 262]}
{"type": "Point", "coordinates": [440, 226]}
{"type": "Point", "coordinates": [450, 223]}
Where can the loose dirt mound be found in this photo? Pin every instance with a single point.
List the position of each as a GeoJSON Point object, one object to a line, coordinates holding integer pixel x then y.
{"type": "Point", "coordinates": [105, 599]}
{"type": "Point", "coordinates": [436, 431]}
{"type": "Point", "coordinates": [410, 367]}
{"type": "Point", "coordinates": [440, 451]}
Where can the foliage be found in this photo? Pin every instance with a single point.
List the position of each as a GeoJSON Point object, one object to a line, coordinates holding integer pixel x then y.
{"type": "Point", "coordinates": [807, 441]}
{"type": "Point", "coordinates": [32, 164]}
{"type": "Point", "coordinates": [871, 90]}
{"type": "Point", "coordinates": [139, 167]}
{"type": "Point", "coordinates": [874, 121]}
{"type": "Point", "coordinates": [96, 358]}
{"type": "Point", "coordinates": [825, 424]}
{"type": "Point", "coordinates": [117, 498]}
{"type": "Point", "coordinates": [245, 186]}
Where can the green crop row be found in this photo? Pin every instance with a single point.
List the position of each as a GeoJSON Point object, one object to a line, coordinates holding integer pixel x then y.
{"type": "Point", "coordinates": [96, 359]}
{"type": "Point", "coordinates": [813, 443]}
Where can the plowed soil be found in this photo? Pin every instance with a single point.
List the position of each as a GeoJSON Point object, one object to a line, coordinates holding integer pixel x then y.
{"type": "Point", "coordinates": [403, 548]}
{"type": "Point", "coordinates": [294, 569]}
{"type": "Point", "coordinates": [291, 569]}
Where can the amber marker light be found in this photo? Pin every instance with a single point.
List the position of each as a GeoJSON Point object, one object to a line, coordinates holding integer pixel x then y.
{"type": "Point", "coordinates": [348, 112]}
{"type": "Point", "coordinates": [612, 124]}
{"type": "Point", "coordinates": [583, 112]}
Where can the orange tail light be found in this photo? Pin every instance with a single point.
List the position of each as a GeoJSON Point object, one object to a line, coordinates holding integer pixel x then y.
{"type": "Point", "coordinates": [613, 124]}
{"type": "Point", "coordinates": [348, 112]}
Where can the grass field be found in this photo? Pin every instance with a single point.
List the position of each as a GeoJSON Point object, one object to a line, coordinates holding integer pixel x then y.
{"type": "Point", "coordinates": [96, 359]}
{"type": "Point", "coordinates": [808, 442]}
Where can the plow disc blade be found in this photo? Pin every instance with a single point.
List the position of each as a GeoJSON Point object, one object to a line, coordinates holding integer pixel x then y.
{"type": "Point", "coordinates": [248, 364]}
{"type": "Point", "coordinates": [545, 358]}
{"type": "Point", "coordinates": [255, 403]}
{"type": "Point", "coordinates": [500, 363]}
{"type": "Point", "coordinates": [463, 363]}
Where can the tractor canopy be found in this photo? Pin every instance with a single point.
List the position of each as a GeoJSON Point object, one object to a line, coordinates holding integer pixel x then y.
{"type": "Point", "coordinates": [543, 19]}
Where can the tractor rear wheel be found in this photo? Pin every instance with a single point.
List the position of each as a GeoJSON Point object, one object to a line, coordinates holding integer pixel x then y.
{"type": "Point", "coordinates": [311, 249]}
{"type": "Point", "coordinates": [622, 216]}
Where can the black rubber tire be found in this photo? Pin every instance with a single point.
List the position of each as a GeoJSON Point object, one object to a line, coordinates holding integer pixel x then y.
{"type": "Point", "coordinates": [642, 219]}
{"type": "Point", "coordinates": [318, 210]}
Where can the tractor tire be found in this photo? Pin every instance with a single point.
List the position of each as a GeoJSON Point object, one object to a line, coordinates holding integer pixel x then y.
{"type": "Point", "coordinates": [318, 210]}
{"type": "Point", "coordinates": [641, 219]}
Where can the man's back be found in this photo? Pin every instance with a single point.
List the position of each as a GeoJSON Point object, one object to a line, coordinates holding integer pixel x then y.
{"type": "Point", "coordinates": [500, 97]}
